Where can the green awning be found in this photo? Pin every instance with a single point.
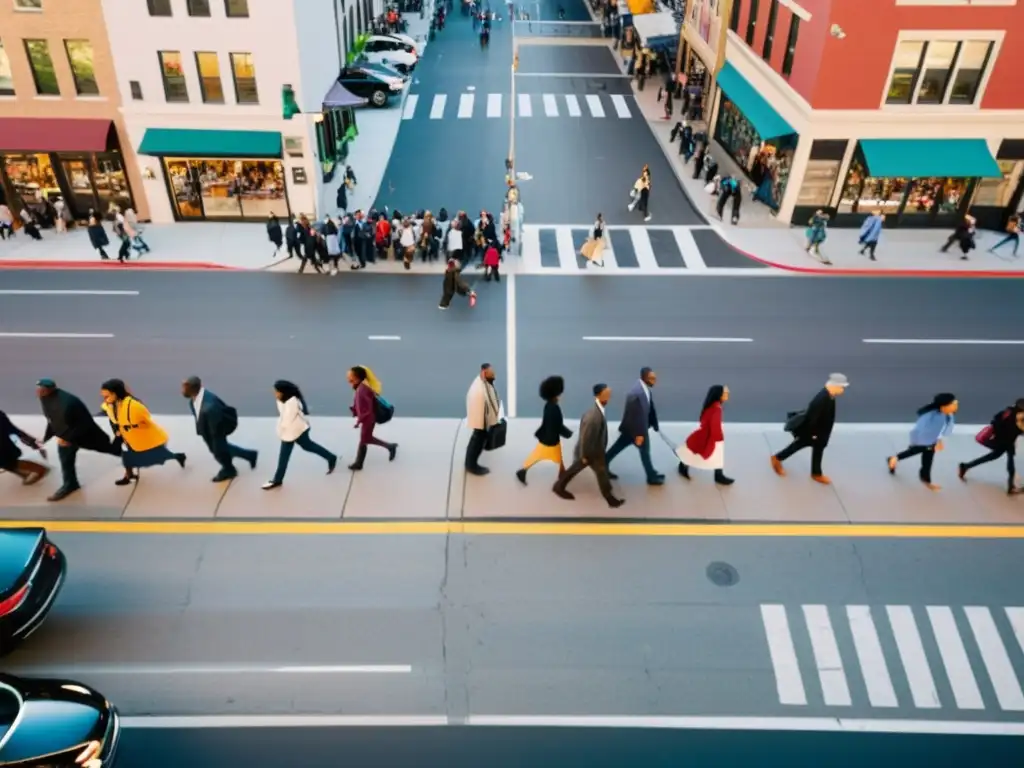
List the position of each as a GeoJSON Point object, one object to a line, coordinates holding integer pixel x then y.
{"type": "Point", "coordinates": [920, 158]}
{"type": "Point", "coordinates": [766, 121]}
{"type": "Point", "coordinates": [174, 142]}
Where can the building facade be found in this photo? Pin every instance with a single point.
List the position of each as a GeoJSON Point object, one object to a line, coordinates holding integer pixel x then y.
{"type": "Point", "coordinates": [203, 87]}
{"type": "Point", "coordinates": [61, 130]}
{"type": "Point", "coordinates": [909, 107]}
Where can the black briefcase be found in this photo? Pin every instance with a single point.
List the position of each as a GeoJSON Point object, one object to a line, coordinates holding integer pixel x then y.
{"type": "Point", "coordinates": [496, 436]}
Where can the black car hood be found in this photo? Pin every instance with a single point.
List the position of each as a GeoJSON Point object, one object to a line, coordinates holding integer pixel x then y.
{"type": "Point", "coordinates": [56, 716]}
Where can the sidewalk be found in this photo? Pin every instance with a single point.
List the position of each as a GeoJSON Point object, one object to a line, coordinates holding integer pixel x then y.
{"type": "Point", "coordinates": [427, 481]}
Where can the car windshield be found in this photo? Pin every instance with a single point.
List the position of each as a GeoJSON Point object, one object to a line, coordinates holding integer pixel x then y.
{"type": "Point", "coordinates": [9, 707]}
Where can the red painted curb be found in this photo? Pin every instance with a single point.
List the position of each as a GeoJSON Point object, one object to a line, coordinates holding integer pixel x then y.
{"type": "Point", "coordinates": [112, 265]}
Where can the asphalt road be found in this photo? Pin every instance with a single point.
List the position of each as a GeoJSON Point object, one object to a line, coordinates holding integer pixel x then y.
{"type": "Point", "coordinates": [566, 747]}
{"type": "Point", "coordinates": [503, 625]}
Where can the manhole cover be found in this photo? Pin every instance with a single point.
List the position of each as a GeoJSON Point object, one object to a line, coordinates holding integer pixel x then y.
{"type": "Point", "coordinates": [722, 574]}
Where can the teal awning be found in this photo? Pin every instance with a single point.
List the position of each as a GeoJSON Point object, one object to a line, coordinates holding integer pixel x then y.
{"type": "Point", "coordinates": [919, 158]}
{"type": "Point", "coordinates": [174, 142]}
{"type": "Point", "coordinates": [766, 121]}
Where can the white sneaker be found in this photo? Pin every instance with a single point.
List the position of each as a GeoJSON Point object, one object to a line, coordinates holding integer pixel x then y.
{"type": "Point", "coordinates": [647, 217]}
{"type": "Point", "coordinates": [631, 206]}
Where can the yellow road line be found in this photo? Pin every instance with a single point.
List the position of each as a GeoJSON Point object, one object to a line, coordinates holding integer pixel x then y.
{"type": "Point", "coordinates": [539, 528]}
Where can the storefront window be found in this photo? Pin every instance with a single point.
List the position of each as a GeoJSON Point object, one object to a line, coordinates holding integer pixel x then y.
{"type": "Point", "coordinates": [32, 177]}
{"type": "Point", "coordinates": [998, 193]}
{"type": "Point", "coordinates": [80, 185]}
{"type": "Point", "coordinates": [935, 194]}
{"type": "Point", "coordinates": [736, 134]}
{"type": "Point", "coordinates": [262, 188]}
{"type": "Point", "coordinates": [111, 183]}
{"type": "Point", "coordinates": [819, 182]}
{"type": "Point", "coordinates": [227, 189]}
{"type": "Point", "coordinates": [864, 194]}
{"type": "Point", "coordinates": [183, 177]}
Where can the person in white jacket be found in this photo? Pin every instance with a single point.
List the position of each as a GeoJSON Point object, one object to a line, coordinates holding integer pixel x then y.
{"type": "Point", "coordinates": [293, 428]}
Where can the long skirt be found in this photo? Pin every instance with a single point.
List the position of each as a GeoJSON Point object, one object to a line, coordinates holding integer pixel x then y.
{"type": "Point", "coordinates": [715, 461]}
{"type": "Point", "coordinates": [541, 452]}
{"type": "Point", "coordinates": [142, 459]}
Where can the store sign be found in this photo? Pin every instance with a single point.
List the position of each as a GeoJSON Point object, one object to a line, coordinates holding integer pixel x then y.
{"type": "Point", "coordinates": [293, 146]}
{"type": "Point", "coordinates": [706, 20]}
{"type": "Point", "coordinates": [299, 175]}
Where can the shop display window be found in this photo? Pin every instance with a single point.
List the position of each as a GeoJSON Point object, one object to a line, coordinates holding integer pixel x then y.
{"type": "Point", "coordinates": [262, 188]}
{"type": "Point", "coordinates": [183, 177]}
{"type": "Point", "coordinates": [935, 195]}
{"type": "Point", "coordinates": [82, 198]}
{"type": "Point", "coordinates": [111, 182]}
{"type": "Point", "coordinates": [227, 189]}
{"type": "Point", "coordinates": [819, 182]}
{"type": "Point", "coordinates": [998, 193]}
{"type": "Point", "coordinates": [736, 134]}
{"type": "Point", "coordinates": [865, 194]}
{"type": "Point", "coordinates": [32, 177]}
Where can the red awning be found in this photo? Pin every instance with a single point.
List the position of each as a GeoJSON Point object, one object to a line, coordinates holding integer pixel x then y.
{"type": "Point", "coordinates": [58, 134]}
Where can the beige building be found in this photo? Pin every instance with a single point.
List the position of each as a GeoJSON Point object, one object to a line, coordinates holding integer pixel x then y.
{"type": "Point", "coordinates": [60, 122]}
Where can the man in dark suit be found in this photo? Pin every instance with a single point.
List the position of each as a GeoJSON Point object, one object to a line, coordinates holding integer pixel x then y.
{"type": "Point", "coordinates": [812, 428]}
{"type": "Point", "coordinates": [589, 450]}
{"type": "Point", "coordinates": [638, 418]}
{"type": "Point", "coordinates": [215, 420]}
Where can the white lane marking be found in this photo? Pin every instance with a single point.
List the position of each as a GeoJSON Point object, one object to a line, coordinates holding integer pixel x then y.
{"type": "Point", "coordinates": [954, 658]}
{"type": "Point", "coordinates": [217, 669]}
{"type": "Point", "coordinates": [566, 250]}
{"type": "Point", "coordinates": [621, 107]}
{"type": "Point", "coordinates": [437, 106]}
{"type": "Point", "coordinates": [689, 250]}
{"type": "Point", "coordinates": [1016, 617]}
{"type": "Point", "coordinates": [945, 342]}
{"type": "Point", "coordinates": [525, 106]}
{"type": "Point", "coordinates": [793, 724]}
{"type": "Point", "coordinates": [870, 657]}
{"type": "Point", "coordinates": [384, 338]}
{"type": "Point", "coordinates": [594, 103]}
{"type": "Point", "coordinates": [531, 249]}
{"type": "Point", "coordinates": [788, 680]}
{"type": "Point", "coordinates": [911, 650]}
{"type": "Point", "coordinates": [190, 722]}
{"type": "Point", "coordinates": [494, 105]}
{"type": "Point", "coordinates": [510, 345]}
{"type": "Point", "coordinates": [17, 292]}
{"type": "Point", "coordinates": [466, 106]}
{"type": "Point", "coordinates": [410, 106]}
{"type": "Point", "coordinates": [691, 339]}
{"type": "Point", "coordinates": [56, 335]}
{"type": "Point", "coordinates": [572, 105]}
{"type": "Point", "coordinates": [826, 657]}
{"type": "Point", "coordinates": [996, 659]}
{"type": "Point", "coordinates": [642, 249]}
{"type": "Point", "coordinates": [550, 105]}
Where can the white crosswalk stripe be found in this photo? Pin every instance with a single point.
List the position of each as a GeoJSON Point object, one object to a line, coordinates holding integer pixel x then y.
{"type": "Point", "coordinates": [572, 105]}
{"type": "Point", "coordinates": [975, 650]}
{"type": "Point", "coordinates": [594, 105]}
{"type": "Point", "coordinates": [410, 106]}
{"type": "Point", "coordinates": [492, 106]}
{"type": "Point", "coordinates": [550, 105]}
{"type": "Point", "coordinates": [466, 106]}
{"type": "Point", "coordinates": [621, 108]}
{"type": "Point", "coordinates": [437, 107]}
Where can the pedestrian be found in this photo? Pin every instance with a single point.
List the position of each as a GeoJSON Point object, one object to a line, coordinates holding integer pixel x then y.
{"type": "Point", "coordinates": [737, 202]}
{"type": "Point", "coordinates": [643, 194]}
{"type": "Point", "coordinates": [407, 243]}
{"type": "Point", "coordinates": [370, 409]}
{"type": "Point", "coordinates": [215, 422]}
{"type": "Point", "coordinates": [332, 240]}
{"type": "Point", "coordinates": [69, 420]}
{"type": "Point", "coordinates": [308, 240]}
{"type": "Point", "coordinates": [274, 234]}
{"type": "Point", "coordinates": [963, 236]}
{"type": "Point", "coordinates": [812, 428]}
{"type": "Point", "coordinates": [552, 429]}
{"type": "Point", "coordinates": [130, 221]}
{"type": "Point", "coordinates": [292, 238]}
{"type": "Point", "coordinates": [483, 414]}
{"type": "Point", "coordinates": [125, 249]}
{"type": "Point", "coordinates": [590, 450]}
{"type": "Point", "coordinates": [727, 187]}
{"type": "Point", "coordinates": [705, 447]}
{"type": "Point", "coordinates": [1000, 437]}
{"type": "Point", "coordinates": [341, 199]}
{"type": "Point", "coordinates": [452, 242]}
{"type": "Point", "coordinates": [6, 222]}
{"type": "Point", "coordinates": [144, 441]}
{"type": "Point", "coordinates": [639, 416]}
{"type": "Point", "coordinates": [817, 232]}
{"type": "Point", "coordinates": [428, 238]}
{"type": "Point", "coordinates": [61, 215]}
{"type": "Point", "coordinates": [350, 177]}
{"type": "Point", "coordinates": [30, 472]}
{"type": "Point", "coordinates": [1012, 235]}
{"type": "Point", "coordinates": [454, 283]}
{"type": "Point", "coordinates": [29, 224]}
{"type": "Point", "coordinates": [98, 237]}
{"type": "Point", "coordinates": [934, 422]}
{"type": "Point", "coordinates": [593, 249]}
{"type": "Point", "coordinates": [293, 429]}
{"type": "Point", "coordinates": [870, 233]}
{"type": "Point", "coordinates": [492, 260]}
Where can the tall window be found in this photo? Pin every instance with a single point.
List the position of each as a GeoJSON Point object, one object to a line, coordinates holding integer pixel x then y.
{"type": "Point", "coordinates": [208, 66]}
{"type": "Point", "coordinates": [198, 7]}
{"type": "Point", "coordinates": [752, 22]}
{"type": "Point", "coordinates": [244, 73]}
{"type": "Point", "coordinates": [28, 5]}
{"type": "Point", "coordinates": [173, 74]}
{"type": "Point", "coordinates": [791, 41]}
{"type": "Point", "coordinates": [769, 35]}
{"type": "Point", "coordinates": [6, 78]}
{"type": "Point", "coordinates": [734, 17]}
{"type": "Point", "coordinates": [159, 7]}
{"type": "Point", "coordinates": [938, 71]}
{"type": "Point", "coordinates": [236, 8]}
{"type": "Point", "coordinates": [80, 58]}
{"type": "Point", "coordinates": [42, 67]}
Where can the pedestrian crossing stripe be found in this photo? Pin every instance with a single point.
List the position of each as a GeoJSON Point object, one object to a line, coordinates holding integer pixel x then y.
{"type": "Point", "coordinates": [975, 653]}
{"type": "Point", "coordinates": [496, 105]}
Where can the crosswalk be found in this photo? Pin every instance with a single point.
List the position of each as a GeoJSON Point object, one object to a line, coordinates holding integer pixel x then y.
{"type": "Point", "coordinates": [470, 105]}
{"type": "Point", "coordinates": [935, 657]}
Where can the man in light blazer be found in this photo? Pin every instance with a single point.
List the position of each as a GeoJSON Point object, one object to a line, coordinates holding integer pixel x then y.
{"type": "Point", "coordinates": [638, 418]}
{"type": "Point", "coordinates": [589, 450]}
{"type": "Point", "coordinates": [215, 420]}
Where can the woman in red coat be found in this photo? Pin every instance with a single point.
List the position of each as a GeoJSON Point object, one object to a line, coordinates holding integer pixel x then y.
{"type": "Point", "coordinates": [705, 448]}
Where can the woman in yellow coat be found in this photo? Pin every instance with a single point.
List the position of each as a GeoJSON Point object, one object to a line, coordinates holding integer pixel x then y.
{"type": "Point", "coordinates": [144, 440]}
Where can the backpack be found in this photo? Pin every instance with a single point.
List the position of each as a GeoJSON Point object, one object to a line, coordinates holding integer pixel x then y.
{"type": "Point", "coordinates": [230, 420]}
{"type": "Point", "coordinates": [382, 410]}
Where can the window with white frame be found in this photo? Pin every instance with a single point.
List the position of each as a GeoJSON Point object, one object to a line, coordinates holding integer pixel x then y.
{"type": "Point", "coordinates": [938, 71]}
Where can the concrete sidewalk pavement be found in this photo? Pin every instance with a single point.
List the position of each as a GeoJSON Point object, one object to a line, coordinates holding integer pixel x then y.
{"type": "Point", "coordinates": [427, 481]}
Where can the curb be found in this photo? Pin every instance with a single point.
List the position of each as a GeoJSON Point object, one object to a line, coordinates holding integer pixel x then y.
{"type": "Point", "coordinates": [88, 265]}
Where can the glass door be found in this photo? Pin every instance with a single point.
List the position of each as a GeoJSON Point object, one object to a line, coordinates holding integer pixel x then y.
{"type": "Point", "coordinates": [183, 178]}
{"type": "Point", "coordinates": [82, 197]}
{"type": "Point", "coordinates": [111, 184]}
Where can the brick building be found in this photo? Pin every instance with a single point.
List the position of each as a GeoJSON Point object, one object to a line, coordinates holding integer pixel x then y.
{"type": "Point", "coordinates": [911, 107]}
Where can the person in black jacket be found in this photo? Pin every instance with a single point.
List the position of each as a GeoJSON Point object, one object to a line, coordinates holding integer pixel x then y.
{"type": "Point", "coordinates": [215, 420]}
{"type": "Point", "coordinates": [1001, 438]}
{"type": "Point", "coordinates": [30, 472]}
{"type": "Point", "coordinates": [274, 234]}
{"type": "Point", "coordinates": [292, 238]}
{"type": "Point", "coordinates": [812, 428]}
{"type": "Point", "coordinates": [552, 429]}
{"type": "Point", "coordinates": [69, 420]}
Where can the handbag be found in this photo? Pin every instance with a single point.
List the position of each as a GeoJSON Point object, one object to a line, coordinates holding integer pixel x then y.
{"type": "Point", "coordinates": [497, 433]}
{"type": "Point", "coordinates": [985, 436]}
{"type": "Point", "coordinates": [383, 411]}
{"type": "Point", "coordinates": [794, 420]}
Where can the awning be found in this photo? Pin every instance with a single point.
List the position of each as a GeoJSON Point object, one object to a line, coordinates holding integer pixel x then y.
{"type": "Point", "coordinates": [181, 142]}
{"type": "Point", "coordinates": [920, 158]}
{"type": "Point", "coordinates": [656, 29]}
{"type": "Point", "coordinates": [339, 96]}
{"type": "Point", "coordinates": [58, 134]}
{"type": "Point", "coordinates": [766, 121]}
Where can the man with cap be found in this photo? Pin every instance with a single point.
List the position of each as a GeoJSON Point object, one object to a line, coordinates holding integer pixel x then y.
{"type": "Point", "coordinates": [812, 428]}
{"type": "Point", "coordinates": [638, 418]}
{"type": "Point", "coordinates": [215, 420]}
{"type": "Point", "coordinates": [69, 420]}
{"type": "Point", "coordinates": [589, 450]}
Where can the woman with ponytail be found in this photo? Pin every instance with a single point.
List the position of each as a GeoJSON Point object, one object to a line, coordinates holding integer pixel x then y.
{"type": "Point", "coordinates": [293, 429]}
{"type": "Point", "coordinates": [934, 422]}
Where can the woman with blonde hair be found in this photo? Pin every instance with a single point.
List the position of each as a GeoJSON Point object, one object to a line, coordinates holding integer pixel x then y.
{"type": "Point", "coordinates": [551, 431]}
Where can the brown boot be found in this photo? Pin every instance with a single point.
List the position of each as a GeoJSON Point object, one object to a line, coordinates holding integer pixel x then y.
{"type": "Point", "coordinates": [823, 479]}
{"type": "Point", "coordinates": [777, 466]}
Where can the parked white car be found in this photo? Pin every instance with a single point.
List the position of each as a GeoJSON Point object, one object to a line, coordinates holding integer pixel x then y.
{"type": "Point", "coordinates": [397, 51]}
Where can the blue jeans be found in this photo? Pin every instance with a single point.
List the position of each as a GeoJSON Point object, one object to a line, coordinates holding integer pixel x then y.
{"type": "Point", "coordinates": [305, 442]}
{"type": "Point", "coordinates": [623, 442]}
{"type": "Point", "coordinates": [1013, 237]}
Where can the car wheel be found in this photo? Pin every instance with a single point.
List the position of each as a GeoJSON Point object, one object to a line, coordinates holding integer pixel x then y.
{"type": "Point", "coordinates": [379, 98]}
